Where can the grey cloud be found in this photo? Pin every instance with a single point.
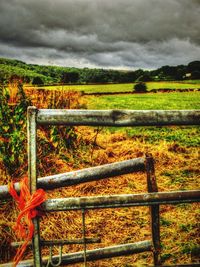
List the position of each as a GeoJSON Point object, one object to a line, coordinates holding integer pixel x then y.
{"type": "Point", "coordinates": [103, 33]}
{"type": "Point", "coordinates": [150, 54]}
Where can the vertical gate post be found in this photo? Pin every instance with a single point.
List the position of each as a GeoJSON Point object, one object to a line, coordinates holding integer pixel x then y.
{"type": "Point", "coordinates": [84, 238]}
{"type": "Point", "coordinates": [155, 216]}
{"type": "Point", "coordinates": [32, 175]}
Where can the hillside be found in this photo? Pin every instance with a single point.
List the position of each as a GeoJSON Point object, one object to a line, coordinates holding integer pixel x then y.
{"type": "Point", "coordinates": [39, 74]}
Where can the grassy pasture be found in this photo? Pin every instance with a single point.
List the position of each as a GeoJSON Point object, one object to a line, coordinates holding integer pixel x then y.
{"type": "Point", "coordinates": [186, 136]}
{"type": "Point", "coordinates": [146, 101]}
{"type": "Point", "coordinates": [191, 81]}
{"type": "Point", "coordinates": [95, 88]}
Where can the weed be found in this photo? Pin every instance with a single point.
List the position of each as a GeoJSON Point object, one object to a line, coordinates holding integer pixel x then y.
{"type": "Point", "coordinates": [165, 222]}
{"type": "Point", "coordinates": [167, 173]}
{"type": "Point", "coordinates": [165, 257]}
{"type": "Point", "coordinates": [186, 227]}
{"type": "Point", "coordinates": [189, 248]}
{"type": "Point", "coordinates": [13, 129]}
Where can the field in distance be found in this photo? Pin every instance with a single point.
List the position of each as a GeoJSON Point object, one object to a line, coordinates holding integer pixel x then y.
{"type": "Point", "coordinates": [127, 87]}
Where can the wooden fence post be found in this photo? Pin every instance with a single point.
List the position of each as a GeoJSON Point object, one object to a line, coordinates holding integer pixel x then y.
{"type": "Point", "coordinates": [155, 216]}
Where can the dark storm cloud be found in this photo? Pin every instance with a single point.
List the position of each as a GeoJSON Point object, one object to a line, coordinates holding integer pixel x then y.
{"type": "Point", "coordinates": [106, 33]}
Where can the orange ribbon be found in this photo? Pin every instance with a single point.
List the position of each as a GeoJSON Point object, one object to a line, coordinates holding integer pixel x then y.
{"type": "Point", "coordinates": [27, 204]}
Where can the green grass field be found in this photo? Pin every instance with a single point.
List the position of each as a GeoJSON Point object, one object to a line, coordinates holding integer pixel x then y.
{"type": "Point", "coordinates": [172, 100]}
{"type": "Point", "coordinates": [184, 136]}
{"type": "Point", "coordinates": [125, 87]}
{"type": "Point", "coordinates": [191, 81]}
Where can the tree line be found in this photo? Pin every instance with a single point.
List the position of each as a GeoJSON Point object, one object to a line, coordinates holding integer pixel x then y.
{"type": "Point", "coordinates": [39, 74]}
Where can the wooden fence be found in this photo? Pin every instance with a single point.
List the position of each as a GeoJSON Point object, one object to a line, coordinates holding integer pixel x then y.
{"type": "Point", "coordinates": [153, 198]}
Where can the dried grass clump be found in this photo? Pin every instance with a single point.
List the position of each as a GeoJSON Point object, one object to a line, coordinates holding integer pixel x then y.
{"type": "Point", "coordinates": [55, 99]}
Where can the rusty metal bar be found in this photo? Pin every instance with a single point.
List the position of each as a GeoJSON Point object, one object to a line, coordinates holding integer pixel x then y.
{"type": "Point", "coordinates": [96, 254]}
{"type": "Point", "coordinates": [115, 201]}
{"type": "Point", "coordinates": [32, 175]}
{"type": "Point", "coordinates": [83, 176]}
{"type": "Point", "coordinates": [154, 209]}
{"type": "Point", "coordinates": [60, 242]}
{"type": "Point", "coordinates": [118, 117]}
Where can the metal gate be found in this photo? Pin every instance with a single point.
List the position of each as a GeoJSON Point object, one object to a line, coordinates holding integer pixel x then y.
{"type": "Point", "coordinates": [153, 198]}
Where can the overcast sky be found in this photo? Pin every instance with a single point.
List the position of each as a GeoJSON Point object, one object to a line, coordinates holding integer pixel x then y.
{"type": "Point", "coordinates": [123, 34]}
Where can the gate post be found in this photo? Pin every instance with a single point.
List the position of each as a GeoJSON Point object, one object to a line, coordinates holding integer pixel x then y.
{"type": "Point", "coordinates": [32, 175]}
{"type": "Point", "coordinates": [155, 216]}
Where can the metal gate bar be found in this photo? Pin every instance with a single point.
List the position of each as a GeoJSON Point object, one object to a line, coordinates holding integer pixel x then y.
{"type": "Point", "coordinates": [118, 117]}
{"type": "Point", "coordinates": [117, 201]}
{"type": "Point", "coordinates": [96, 254]}
{"type": "Point", "coordinates": [83, 176]}
{"type": "Point", "coordinates": [60, 242]}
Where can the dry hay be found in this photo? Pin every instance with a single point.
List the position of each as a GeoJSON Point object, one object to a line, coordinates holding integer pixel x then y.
{"type": "Point", "coordinates": [179, 223]}
{"type": "Point", "coordinates": [54, 98]}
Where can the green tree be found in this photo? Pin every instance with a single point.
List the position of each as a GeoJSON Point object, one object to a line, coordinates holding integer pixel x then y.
{"type": "Point", "coordinates": [70, 77]}
{"type": "Point", "coordinates": [196, 75]}
{"type": "Point", "coordinates": [193, 66]}
{"type": "Point", "coordinates": [146, 77]}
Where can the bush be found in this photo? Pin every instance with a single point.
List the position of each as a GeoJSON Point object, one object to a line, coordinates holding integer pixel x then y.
{"type": "Point", "coordinates": [37, 81]}
{"type": "Point", "coordinates": [140, 87]}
